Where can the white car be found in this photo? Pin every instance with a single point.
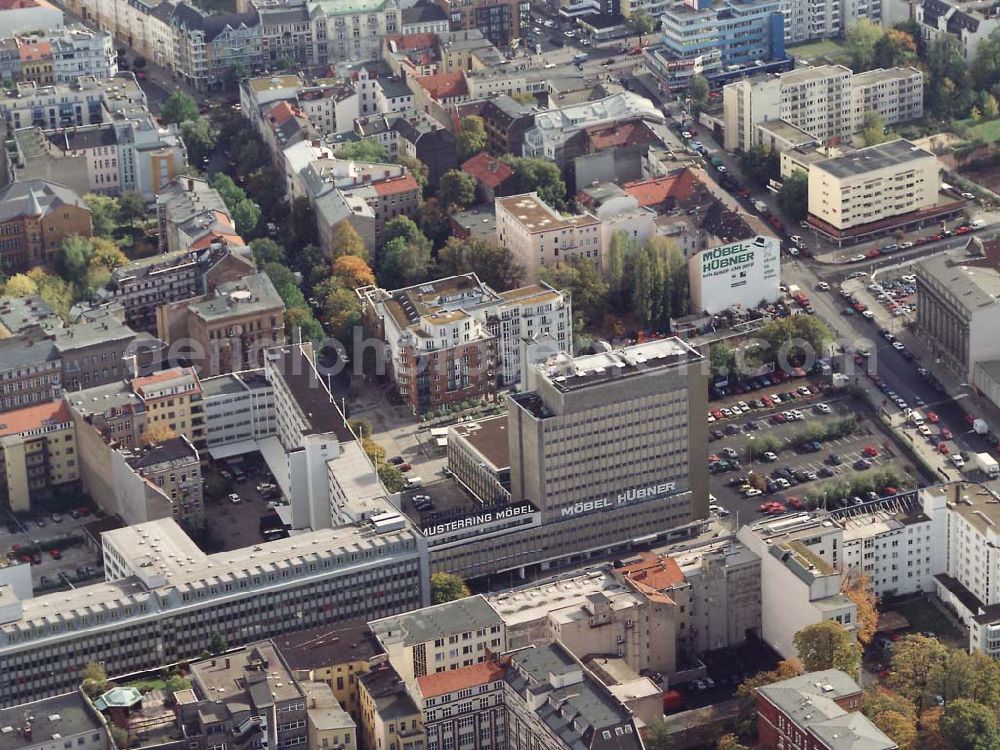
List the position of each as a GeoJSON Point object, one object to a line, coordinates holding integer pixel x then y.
{"type": "Point", "coordinates": [823, 408]}
{"type": "Point", "coordinates": [770, 458]}
{"type": "Point", "coordinates": [924, 430]}
{"type": "Point", "coordinates": [898, 346]}
{"type": "Point", "coordinates": [857, 258]}
{"type": "Point", "coordinates": [569, 34]}
{"type": "Point", "coordinates": [753, 492]}
{"type": "Point", "coordinates": [957, 460]}
{"type": "Point", "coordinates": [789, 416]}
{"type": "Point", "coordinates": [743, 405]}
{"type": "Point", "coordinates": [901, 403]}
{"type": "Point", "coordinates": [875, 288]}
{"type": "Point", "coordinates": [905, 245]}
{"type": "Point", "coordinates": [969, 196]}
{"type": "Point", "coordinates": [782, 483]}
{"type": "Point", "coordinates": [796, 240]}
{"type": "Point", "coordinates": [235, 499]}
{"type": "Point", "coordinates": [775, 398]}
{"type": "Point", "coordinates": [687, 134]}
{"type": "Point", "coordinates": [868, 315]}
{"type": "Point", "coordinates": [823, 286]}
{"type": "Point", "coordinates": [722, 168]}
{"type": "Point", "coordinates": [798, 415]}
{"type": "Point", "coordinates": [804, 390]}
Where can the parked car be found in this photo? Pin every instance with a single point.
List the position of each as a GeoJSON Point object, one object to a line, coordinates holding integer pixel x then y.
{"type": "Point", "coordinates": [235, 499]}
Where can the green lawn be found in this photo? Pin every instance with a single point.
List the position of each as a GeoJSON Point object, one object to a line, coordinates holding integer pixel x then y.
{"type": "Point", "coordinates": [149, 683]}
{"type": "Point", "coordinates": [988, 131]}
{"type": "Point", "coordinates": [924, 616]}
{"type": "Point", "coordinates": [830, 50]}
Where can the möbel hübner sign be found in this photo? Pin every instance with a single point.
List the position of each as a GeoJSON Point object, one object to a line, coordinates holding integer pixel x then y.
{"type": "Point", "coordinates": [739, 273]}
{"type": "Point", "coordinates": [485, 519]}
{"type": "Point", "coordinates": [624, 498]}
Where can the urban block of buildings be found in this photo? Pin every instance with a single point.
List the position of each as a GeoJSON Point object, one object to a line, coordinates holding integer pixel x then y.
{"type": "Point", "coordinates": [57, 55]}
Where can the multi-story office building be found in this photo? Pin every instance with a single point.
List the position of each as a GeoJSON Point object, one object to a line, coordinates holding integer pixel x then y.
{"type": "Point", "coordinates": [164, 600]}
{"type": "Point", "coordinates": [456, 339]}
{"type": "Point", "coordinates": [35, 217]}
{"type": "Point", "coordinates": [238, 407]}
{"type": "Point", "coordinates": [873, 184]}
{"type": "Point", "coordinates": [70, 716]}
{"type": "Point", "coordinates": [500, 22]}
{"type": "Point", "coordinates": [37, 451]}
{"type": "Point", "coordinates": [441, 638]}
{"type": "Point", "coordinates": [538, 236]}
{"type": "Point", "coordinates": [818, 711]}
{"type": "Point", "coordinates": [702, 39]}
{"type": "Point", "coordinates": [479, 458]}
{"type": "Point", "coordinates": [63, 105]}
{"type": "Point", "coordinates": [958, 312]}
{"type": "Point", "coordinates": [827, 102]}
{"type": "Point", "coordinates": [228, 329]}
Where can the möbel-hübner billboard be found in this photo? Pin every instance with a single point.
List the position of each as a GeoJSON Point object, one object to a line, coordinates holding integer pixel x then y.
{"type": "Point", "coordinates": [742, 273]}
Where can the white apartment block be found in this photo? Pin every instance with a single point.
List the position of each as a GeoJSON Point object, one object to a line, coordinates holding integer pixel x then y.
{"type": "Point", "coordinates": [806, 20]}
{"type": "Point", "coordinates": [872, 184]}
{"type": "Point", "coordinates": [66, 105]}
{"type": "Point", "coordinates": [828, 101]}
{"type": "Point", "coordinates": [164, 599]}
{"type": "Point", "coordinates": [441, 638]}
{"type": "Point", "coordinates": [239, 409]}
{"type": "Point", "coordinates": [330, 105]}
{"type": "Point", "coordinates": [79, 51]}
{"type": "Point", "coordinates": [968, 25]}
{"type": "Point", "coordinates": [538, 236]}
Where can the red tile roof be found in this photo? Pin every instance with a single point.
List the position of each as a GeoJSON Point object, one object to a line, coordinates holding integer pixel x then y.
{"type": "Point", "coordinates": [405, 184]}
{"type": "Point", "coordinates": [35, 52]}
{"type": "Point", "coordinates": [280, 113]}
{"type": "Point", "coordinates": [444, 85]}
{"type": "Point", "coordinates": [656, 571]}
{"type": "Point", "coordinates": [620, 134]}
{"type": "Point", "coordinates": [140, 384]}
{"type": "Point", "coordinates": [34, 417]}
{"type": "Point", "coordinates": [653, 192]}
{"type": "Point", "coordinates": [412, 41]}
{"type": "Point", "coordinates": [15, 4]}
{"type": "Point", "coordinates": [443, 683]}
{"type": "Point", "coordinates": [487, 170]}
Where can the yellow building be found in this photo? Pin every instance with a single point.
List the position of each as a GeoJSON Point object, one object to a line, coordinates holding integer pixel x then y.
{"type": "Point", "coordinates": [173, 402]}
{"type": "Point", "coordinates": [873, 184]}
{"type": "Point", "coordinates": [335, 655]}
{"type": "Point", "coordinates": [390, 718]}
{"type": "Point", "coordinates": [37, 451]}
{"type": "Point", "coordinates": [328, 726]}
{"type": "Point", "coordinates": [36, 61]}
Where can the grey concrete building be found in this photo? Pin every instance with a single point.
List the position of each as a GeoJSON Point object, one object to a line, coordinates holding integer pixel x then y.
{"type": "Point", "coordinates": [67, 719]}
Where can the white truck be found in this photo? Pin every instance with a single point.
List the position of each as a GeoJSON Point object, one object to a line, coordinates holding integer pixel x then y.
{"type": "Point", "coordinates": [988, 465]}
{"type": "Point", "coordinates": [760, 206]}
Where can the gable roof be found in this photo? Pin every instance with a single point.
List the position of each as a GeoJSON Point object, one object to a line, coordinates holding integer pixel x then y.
{"type": "Point", "coordinates": [488, 170]}
{"type": "Point", "coordinates": [444, 85]}
{"type": "Point", "coordinates": [656, 191]}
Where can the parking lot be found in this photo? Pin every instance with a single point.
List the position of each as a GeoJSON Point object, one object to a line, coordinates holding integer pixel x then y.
{"type": "Point", "coordinates": [771, 458]}
{"type": "Point", "coordinates": [54, 545]}
{"type": "Point", "coordinates": [233, 525]}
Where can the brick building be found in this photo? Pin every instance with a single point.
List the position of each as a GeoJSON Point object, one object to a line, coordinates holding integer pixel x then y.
{"type": "Point", "coordinates": [35, 217]}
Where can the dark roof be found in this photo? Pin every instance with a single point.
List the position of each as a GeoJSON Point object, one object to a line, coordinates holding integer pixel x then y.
{"type": "Point", "coordinates": [874, 157]}
{"type": "Point", "coordinates": [327, 645]}
{"type": "Point", "coordinates": [310, 392]}
{"type": "Point", "coordinates": [71, 140]}
{"type": "Point", "coordinates": [388, 691]}
{"type": "Point", "coordinates": [190, 17]}
{"type": "Point", "coordinates": [423, 12]}
{"type": "Point", "coordinates": [968, 600]}
{"type": "Point", "coordinates": [64, 716]}
{"type": "Point", "coordinates": [163, 11]}
{"type": "Point", "coordinates": [169, 450]}
{"type": "Point", "coordinates": [34, 197]}
{"type": "Point", "coordinates": [283, 14]}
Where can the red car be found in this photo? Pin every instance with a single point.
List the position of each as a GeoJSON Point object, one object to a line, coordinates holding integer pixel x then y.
{"type": "Point", "coordinates": [888, 491]}
{"type": "Point", "coordinates": [970, 420]}
{"type": "Point", "coordinates": [932, 417]}
{"type": "Point", "coordinates": [943, 448]}
{"type": "Point", "coordinates": [404, 467]}
{"type": "Point", "coordinates": [859, 307]}
{"type": "Point", "coordinates": [963, 230]}
{"type": "Point", "coordinates": [55, 554]}
{"type": "Point", "coordinates": [871, 451]}
{"type": "Point", "coordinates": [83, 510]}
{"type": "Point", "coordinates": [745, 194]}
{"type": "Point", "coordinates": [873, 253]}
{"type": "Point", "coordinates": [946, 433]}
{"type": "Point", "coordinates": [795, 502]}
{"type": "Point", "coordinates": [779, 418]}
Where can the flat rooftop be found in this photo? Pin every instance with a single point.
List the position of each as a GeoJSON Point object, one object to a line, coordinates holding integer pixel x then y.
{"type": "Point", "coordinates": [865, 160]}
{"type": "Point", "coordinates": [309, 390]}
{"type": "Point", "coordinates": [971, 285]}
{"type": "Point", "coordinates": [442, 620]}
{"type": "Point", "coordinates": [225, 677]}
{"type": "Point", "coordinates": [531, 603]}
{"type": "Point", "coordinates": [880, 75]}
{"type": "Point", "coordinates": [323, 646]}
{"type": "Point", "coordinates": [803, 75]}
{"type": "Point", "coordinates": [786, 131]}
{"type": "Point", "coordinates": [536, 216]}
{"type": "Point", "coordinates": [973, 502]}
{"type": "Point", "coordinates": [63, 716]}
{"type": "Point", "coordinates": [489, 438]}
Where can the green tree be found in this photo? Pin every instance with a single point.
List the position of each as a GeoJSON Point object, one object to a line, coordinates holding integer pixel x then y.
{"type": "Point", "coordinates": [415, 167]}
{"type": "Point", "coordinates": [697, 92]}
{"type": "Point", "coordinates": [585, 283]}
{"type": "Point", "coordinates": [131, 206]}
{"type": "Point", "coordinates": [434, 222]}
{"type": "Point", "coordinates": [533, 175]}
{"type": "Point", "coordinates": [641, 22]}
{"type": "Point", "coordinates": [20, 285]}
{"type": "Point", "coordinates": [178, 107]}
{"type": "Point", "coordinates": [872, 129]}
{"type": "Point", "coordinates": [916, 660]}
{"type": "Point", "coordinates": [301, 320]}
{"type": "Point", "coordinates": [120, 736]}
{"type": "Point", "coordinates": [861, 36]}
{"type": "Point", "coordinates": [391, 477]}
{"type": "Point", "coordinates": [948, 83]}
{"type": "Point", "coordinates": [447, 587]}
{"type": "Point", "coordinates": [405, 228]}
{"type": "Point", "coordinates": [103, 214]}
{"type": "Point", "coordinates": [794, 195]}
{"type": "Point", "coordinates": [880, 699]}
{"type": "Point", "coordinates": [402, 263]}
{"type": "Point", "coordinates": [76, 257]}
{"type": "Point", "coordinates": [963, 675]}
{"type": "Point", "coordinates": [659, 737]}
{"type": "Point", "coordinates": [176, 683]}
{"type": "Point", "coordinates": [457, 189]}
{"type": "Point", "coordinates": [345, 240]}
{"type": "Point", "coordinates": [730, 742]}
{"type": "Point", "coordinates": [342, 313]}
{"type": "Point", "coordinates": [246, 215]}
{"type": "Point", "coordinates": [620, 249]}
{"type": "Point", "coordinates": [760, 164]}
{"type": "Point", "coordinates": [95, 679]}
{"type": "Point", "coordinates": [968, 725]}
{"type": "Point", "coordinates": [900, 728]}
{"type": "Point", "coordinates": [229, 191]}
{"type": "Point", "coordinates": [990, 108]}
{"type": "Point", "coordinates": [471, 137]}
{"type": "Point", "coordinates": [369, 151]}
{"type": "Point", "coordinates": [283, 279]}
{"type": "Point", "coordinates": [985, 66]}
{"type": "Point", "coordinates": [200, 138]}
{"type": "Point", "coordinates": [794, 339]}
{"type": "Point", "coordinates": [827, 645]}
{"type": "Point", "coordinates": [895, 47]}
{"type": "Point", "coordinates": [218, 644]}
{"type": "Point", "coordinates": [646, 278]}
{"type": "Point", "coordinates": [493, 263]}
{"type": "Point", "coordinates": [266, 250]}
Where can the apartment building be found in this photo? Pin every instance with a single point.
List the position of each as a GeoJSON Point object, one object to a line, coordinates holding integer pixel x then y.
{"type": "Point", "coordinates": [94, 352]}
{"type": "Point", "coordinates": [328, 725]}
{"type": "Point", "coordinates": [173, 467]}
{"type": "Point", "coordinates": [192, 215]}
{"type": "Point", "coordinates": [424, 17]}
{"type": "Point", "coordinates": [36, 60]}
{"type": "Point", "coordinates": [21, 314]}
{"type": "Point", "coordinates": [209, 47]}
{"type": "Point", "coordinates": [538, 236]}
{"type": "Point", "coordinates": [389, 716]}
{"type": "Point", "coordinates": [958, 311]}
{"type": "Point", "coordinates": [35, 217]}
{"type": "Point", "coordinates": [334, 655]}
{"type": "Point", "coordinates": [818, 711]}
{"type": "Point", "coordinates": [62, 55]}
{"type": "Point", "coordinates": [330, 105]}
{"type": "Point", "coordinates": [37, 451]}
{"type": "Point", "coordinates": [873, 184]}
{"type": "Point", "coordinates": [64, 105]}
{"type": "Point", "coordinates": [354, 31]}
{"type": "Point", "coordinates": [968, 26]}
{"type": "Point", "coordinates": [500, 22]}
{"type": "Point", "coordinates": [239, 407]}
{"type": "Point", "coordinates": [164, 600]}
{"type": "Point", "coordinates": [827, 102]}
{"type": "Point", "coordinates": [456, 339]}
{"type": "Point", "coordinates": [802, 561]}
{"type": "Point", "coordinates": [451, 719]}
{"type": "Point", "coordinates": [441, 638]}
{"type": "Point", "coordinates": [227, 329]}
{"type": "Point", "coordinates": [30, 371]}
{"type": "Point", "coordinates": [172, 399]}
{"type": "Point", "coordinates": [71, 716]}
{"type": "Point", "coordinates": [25, 16]}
